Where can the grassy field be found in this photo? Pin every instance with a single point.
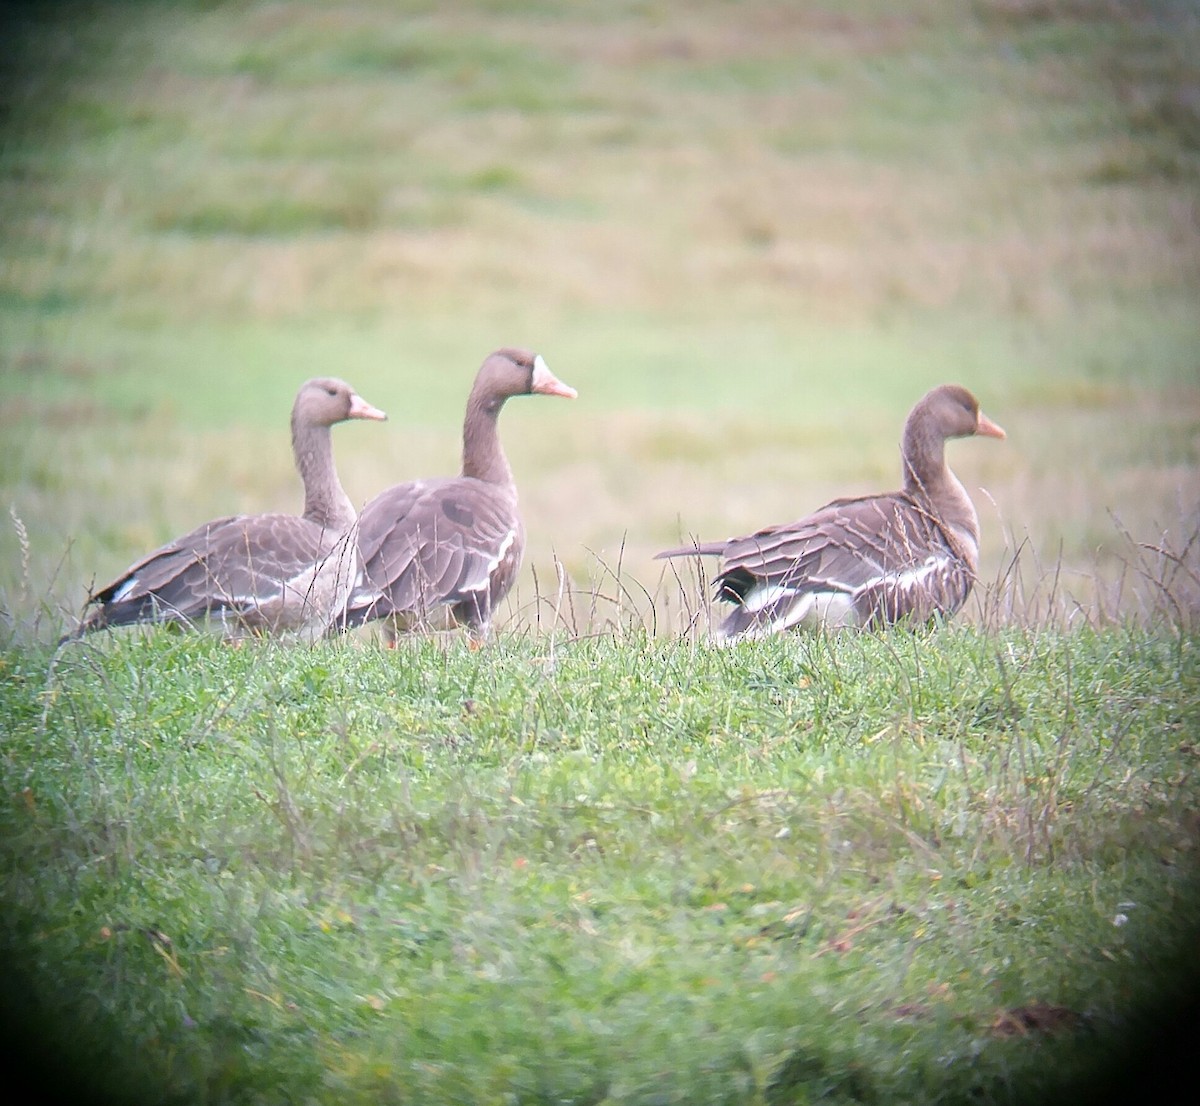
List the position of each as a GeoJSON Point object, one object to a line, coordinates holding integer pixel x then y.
{"type": "Point", "coordinates": [863, 869]}
{"type": "Point", "coordinates": [603, 861]}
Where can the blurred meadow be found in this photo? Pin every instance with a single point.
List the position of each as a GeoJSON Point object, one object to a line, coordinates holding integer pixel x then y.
{"type": "Point", "coordinates": [750, 234]}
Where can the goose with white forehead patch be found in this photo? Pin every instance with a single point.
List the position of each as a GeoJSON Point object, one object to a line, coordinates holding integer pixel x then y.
{"type": "Point", "coordinates": [449, 549]}
{"type": "Point", "coordinates": [910, 555]}
{"type": "Point", "coordinates": [268, 573]}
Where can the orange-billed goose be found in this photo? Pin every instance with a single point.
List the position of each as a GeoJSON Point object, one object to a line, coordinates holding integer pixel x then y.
{"type": "Point", "coordinates": [259, 573]}
{"type": "Point", "coordinates": [452, 546]}
{"type": "Point", "coordinates": [870, 561]}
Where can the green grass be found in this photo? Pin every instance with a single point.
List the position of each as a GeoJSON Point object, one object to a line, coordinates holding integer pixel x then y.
{"type": "Point", "coordinates": [612, 869]}
{"type": "Point", "coordinates": [602, 861]}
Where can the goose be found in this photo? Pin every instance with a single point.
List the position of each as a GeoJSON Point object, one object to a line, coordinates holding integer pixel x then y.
{"type": "Point", "coordinates": [446, 551]}
{"type": "Point", "coordinates": [266, 573]}
{"type": "Point", "coordinates": [905, 556]}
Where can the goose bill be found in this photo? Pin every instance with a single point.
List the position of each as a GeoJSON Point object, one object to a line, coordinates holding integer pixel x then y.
{"type": "Point", "coordinates": [361, 409]}
{"type": "Point", "coordinates": [545, 383]}
{"type": "Point", "coordinates": [988, 428]}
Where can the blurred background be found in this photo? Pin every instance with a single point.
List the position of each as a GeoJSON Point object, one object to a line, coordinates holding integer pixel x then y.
{"type": "Point", "coordinates": [751, 234]}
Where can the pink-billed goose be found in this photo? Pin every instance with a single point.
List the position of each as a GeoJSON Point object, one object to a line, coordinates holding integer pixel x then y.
{"type": "Point", "coordinates": [909, 555]}
{"type": "Point", "coordinates": [450, 548]}
{"type": "Point", "coordinates": [269, 573]}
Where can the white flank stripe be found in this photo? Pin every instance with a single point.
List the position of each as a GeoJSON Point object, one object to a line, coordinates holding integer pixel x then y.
{"type": "Point", "coordinates": [762, 597]}
{"type": "Point", "coordinates": [505, 546]}
{"type": "Point", "coordinates": [834, 608]}
{"type": "Point", "coordinates": [492, 565]}
{"type": "Point", "coordinates": [251, 600]}
{"type": "Point", "coordinates": [919, 575]}
{"type": "Point", "coordinates": [793, 615]}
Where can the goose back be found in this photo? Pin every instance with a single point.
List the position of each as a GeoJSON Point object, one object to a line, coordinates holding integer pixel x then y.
{"type": "Point", "coordinates": [434, 544]}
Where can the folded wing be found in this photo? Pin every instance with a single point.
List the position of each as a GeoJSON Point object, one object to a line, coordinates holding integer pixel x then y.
{"type": "Point", "coordinates": [266, 572]}
{"type": "Point", "coordinates": [436, 543]}
{"type": "Point", "coordinates": [869, 561]}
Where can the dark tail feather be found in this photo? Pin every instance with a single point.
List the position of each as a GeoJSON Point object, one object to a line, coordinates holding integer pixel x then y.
{"type": "Point", "coordinates": [149, 608]}
{"type": "Point", "coordinates": [696, 549]}
{"type": "Point", "coordinates": [82, 628]}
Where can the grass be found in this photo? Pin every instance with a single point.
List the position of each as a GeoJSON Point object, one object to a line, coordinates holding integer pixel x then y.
{"type": "Point", "coordinates": [603, 861]}
{"type": "Point", "coordinates": [613, 869]}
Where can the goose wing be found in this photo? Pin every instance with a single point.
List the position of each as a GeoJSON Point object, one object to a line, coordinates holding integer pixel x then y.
{"type": "Point", "coordinates": [239, 564]}
{"type": "Point", "coordinates": [872, 560]}
{"type": "Point", "coordinates": [434, 543]}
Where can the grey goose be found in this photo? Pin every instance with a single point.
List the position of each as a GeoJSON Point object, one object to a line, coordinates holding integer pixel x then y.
{"type": "Point", "coordinates": [266, 573]}
{"type": "Point", "coordinates": [906, 556]}
{"type": "Point", "coordinates": [447, 550]}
